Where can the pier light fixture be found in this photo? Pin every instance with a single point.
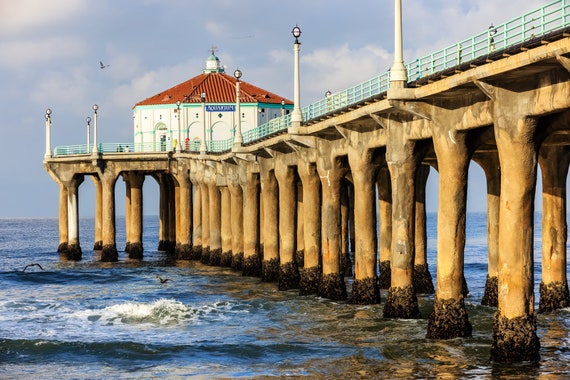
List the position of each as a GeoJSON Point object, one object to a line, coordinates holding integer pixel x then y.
{"type": "Point", "coordinates": [282, 107]}
{"type": "Point", "coordinates": [328, 93]}
{"type": "Point", "coordinates": [48, 134]}
{"type": "Point", "coordinates": [95, 146]}
{"type": "Point", "coordinates": [297, 116]}
{"type": "Point", "coordinates": [296, 33]}
{"type": "Point", "coordinates": [178, 103]}
{"type": "Point", "coordinates": [238, 138]}
{"type": "Point", "coordinates": [88, 120]}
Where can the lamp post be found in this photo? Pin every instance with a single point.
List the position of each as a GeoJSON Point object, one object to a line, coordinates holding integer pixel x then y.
{"type": "Point", "coordinates": [282, 107]}
{"type": "Point", "coordinates": [48, 134]}
{"type": "Point", "coordinates": [179, 135]}
{"type": "Point", "coordinates": [203, 142]}
{"type": "Point", "coordinates": [238, 138]}
{"type": "Point", "coordinates": [95, 147]}
{"type": "Point", "coordinates": [398, 73]}
{"type": "Point", "coordinates": [88, 120]}
{"type": "Point", "coordinates": [296, 116]}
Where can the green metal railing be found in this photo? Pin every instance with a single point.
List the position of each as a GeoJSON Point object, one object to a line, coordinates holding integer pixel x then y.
{"type": "Point", "coordinates": [525, 28]}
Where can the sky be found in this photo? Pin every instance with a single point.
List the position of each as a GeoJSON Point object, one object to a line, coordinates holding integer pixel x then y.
{"type": "Point", "coordinates": [50, 53]}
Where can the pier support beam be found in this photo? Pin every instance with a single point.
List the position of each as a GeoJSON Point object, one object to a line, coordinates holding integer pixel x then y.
{"type": "Point", "coordinates": [215, 203]}
{"type": "Point", "coordinates": [226, 227]}
{"type": "Point", "coordinates": [288, 271]}
{"type": "Point", "coordinates": [73, 249]}
{"type": "Point", "coordinates": [251, 258]}
{"type": "Point", "coordinates": [401, 301]}
{"type": "Point", "coordinates": [514, 325]}
{"type": "Point", "coordinates": [98, 244]}
{"type": "Point", "coordinates": [237, 222]}
{"type": "Point", "coordinates": [554, 161]}
{"type": "Point", "coordinates": [423, 283]}
{"type": "Point", "coordinates": [205, 199]}
{"type": "Point", "coordinates": [365, 285]}
{"type": "Point", "coordinates": [183, 247]}
{"type": "Point", "coordinates": [109, 249]}
{"type": "Point", "coordinates": [384, 189]}
{"type": "Point", "coordinates": [270, 200]}
{"type": "Point", "coordinates": [196, 253]}
{"type": "Point", "coordinates": [449, 318]}
{"type": "Point", "coordinates": [134, 214]}
{"type": "Point", "coordinates": [331, 171]}
{"type": "Point", "coordinates": [62, 218]}
{"type": "Point", "coordinates": [310, 275]}
{"type": "Point", "coordinates": [489, 162]}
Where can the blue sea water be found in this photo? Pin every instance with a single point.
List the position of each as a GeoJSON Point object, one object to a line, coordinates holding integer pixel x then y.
{"type": "Point", "coordinates": [93, 320]}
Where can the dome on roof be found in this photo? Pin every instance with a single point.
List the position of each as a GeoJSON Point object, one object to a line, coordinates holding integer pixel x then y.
{"type": "Point", "coordinates": [213, 64]}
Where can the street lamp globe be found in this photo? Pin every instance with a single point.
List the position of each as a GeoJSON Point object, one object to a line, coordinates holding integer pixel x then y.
{"type": "Point", "coordinates": [237, 74]}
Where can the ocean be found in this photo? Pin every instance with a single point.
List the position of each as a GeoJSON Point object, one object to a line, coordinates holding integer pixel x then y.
{"type": "Point", "coordinates": [94, 320]}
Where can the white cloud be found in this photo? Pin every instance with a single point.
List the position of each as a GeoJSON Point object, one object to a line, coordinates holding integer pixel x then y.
{"type": "Point", "coordinates": [20, 16]}
{"type": "Point", "coordinates": [20, 54]}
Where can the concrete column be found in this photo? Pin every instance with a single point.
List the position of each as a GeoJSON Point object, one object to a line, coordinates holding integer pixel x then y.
{"type": "Point", "coordinates": [215, 212]}
{"type": "Point", "coordinates": [311, 272]}
{"type": "Point", "coordinates": [237, 224]}
{"type": "Point", "coordinates": [134, 214]}
{"type": "Point", "coordinates": [365, 286]}
{"type": "Point", "coordinates": [270, 200]}
{"type": "Point", "coordinates": [98, 245]}
{"type": "Point", "coordinates": [226, 227]}
{"type": "Point", "coordinates": [172, 217]}
{"type": "Point", "coordinates": [514, 325]}
{"type": "Point", "coordinates": [109, 249]}
{"type": "Point", "coordinates": [489, 162]}
{"type": "Point", "coordinates": [331, 171]}
{"type": "Point", "coordinates": [300, 234]}
{"type": "Point", "coordinates": [384, 189]}
{"type": "Point", "coordinates": [164, 210]}
{"type": "Point", "coordinates": [346, 230]}
{"type": "Point", "coordinates": [205, 198]}
{"type": "Point", "coordinates": [62, 218]}
{"type": "Point", "coordinates": [73, 250]}
{"type": "Point", "coordinates": [449, 318]}
{"type": "Point", "coordinates": [401, 301]}
{"type": "Point", "coordinates": [197, 221]}
{"type": "Point", "coordinates": [251, 257]}
{"type": "Point", "coordinates": [554, 162]}
{"type": "Point", "coordinates": [288, 272]}
{"type": "Point", "coordinates": [184, 216]}
{"type": "Point", "coordinates": [422, 277]}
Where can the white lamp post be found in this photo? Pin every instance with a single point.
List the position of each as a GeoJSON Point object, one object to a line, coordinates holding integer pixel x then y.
{"type": "Point", "coordinates": [238, 138]}
{"type": "Point", "coordinates": [88, 120]}
{"type": "Point", "coordinates": [203, 147]}
{"type": "Point", "coordinates": [296, 116]}
{"type": "Point", "coordinates": [95, 147]}
{"type": "Point", "coordinates": [48, 134]}
{"type": "Point", "coordinates": [398, 72]}
{"type": "Point", "coordinates": [179, 135]}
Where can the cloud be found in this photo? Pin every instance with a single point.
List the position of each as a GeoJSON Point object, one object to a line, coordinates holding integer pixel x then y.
{"type": "Point", "coordinates": [22, 16]}
{"type": "Point", "coordinates": [21, 54]}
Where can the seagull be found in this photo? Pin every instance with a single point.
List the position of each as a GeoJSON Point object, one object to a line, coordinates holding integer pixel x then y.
{"type": "Point", "coordinates": [162, 280]}
{"type": "Point", "coordinates": [102, 66]}
{"type": "Point", "coordinates": [33, 265]}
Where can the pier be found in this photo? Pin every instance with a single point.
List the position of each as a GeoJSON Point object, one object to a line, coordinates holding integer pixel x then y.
{"type": "Point", "coordinates": [298, 200]}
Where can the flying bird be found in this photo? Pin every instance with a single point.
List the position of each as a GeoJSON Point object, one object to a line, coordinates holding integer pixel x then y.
{"type": "Point", "coordinates": [162, 280]}
{"type": "Point", "coordinates": [33, 265]}
{"type": "Point", "coordinates": [102, 66]}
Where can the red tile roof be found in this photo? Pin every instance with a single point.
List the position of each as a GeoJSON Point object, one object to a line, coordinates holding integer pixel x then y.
{"type": "Point", "coordinates": [219, 88]}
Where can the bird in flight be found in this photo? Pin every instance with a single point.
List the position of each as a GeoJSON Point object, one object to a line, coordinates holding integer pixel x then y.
{"type": "Point", "coordinates": [33, 265]}
{"type": "Point", "coordinates": [101, 65]}
{"type": "Point", "coordinates": [162, 280]}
